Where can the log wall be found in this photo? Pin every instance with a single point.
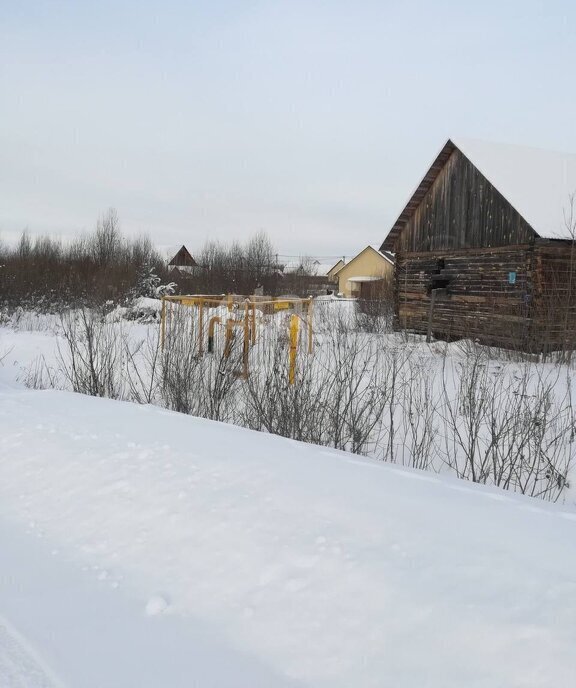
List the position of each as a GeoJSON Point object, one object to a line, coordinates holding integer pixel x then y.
{"type": "Point", "coordinates": [475, 297]}
{"type": "Point", "coordinates": [554, 288]}
{"type": "Point", "coordinates": [519, 297]}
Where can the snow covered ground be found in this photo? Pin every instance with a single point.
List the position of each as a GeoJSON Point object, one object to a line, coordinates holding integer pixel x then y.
{"type": "Point", "coordinates": [140, 547]}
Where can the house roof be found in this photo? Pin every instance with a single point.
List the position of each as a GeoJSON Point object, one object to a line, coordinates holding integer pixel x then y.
{"type": "Point", "coordinates": [337, 265]}
{"type": "Point", "coordinates": [183, 258]}
{"type": "Point", "coordinates": [389, 257]}
{"type": "Point", "coordinates": [385, 254]}
{"type": "Point", "coordinates": [537, 183]}
{"type": "Point", "coordinates": [317, 268]}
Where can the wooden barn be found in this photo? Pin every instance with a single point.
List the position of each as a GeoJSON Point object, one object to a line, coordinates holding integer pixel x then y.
{"type": "Point", "coordinates": [485, 248]}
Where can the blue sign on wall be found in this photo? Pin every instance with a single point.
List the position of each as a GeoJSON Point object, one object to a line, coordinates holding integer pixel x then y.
{"type": "Point", "coordinates": [511, 278]}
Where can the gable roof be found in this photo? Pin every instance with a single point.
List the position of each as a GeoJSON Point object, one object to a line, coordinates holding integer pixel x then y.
{"type": "Point", "coordinates": [334, 269]}
{"type": "Point", "coordinates": [182, 258]}
{"type": "Point", "coordinates": [537, 183]}
{"type": "Point", "coordinates": [316, 267]}
{"type": "Point", "coordinates": [386, 255]}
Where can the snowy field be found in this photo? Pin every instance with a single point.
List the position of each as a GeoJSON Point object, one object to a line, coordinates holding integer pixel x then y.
{"type": "Point", "coordinates": [489, 416]}
{"type": "Point", "coordinates": [142, 547]}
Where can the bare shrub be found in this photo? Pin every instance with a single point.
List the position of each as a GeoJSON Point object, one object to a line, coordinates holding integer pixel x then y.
{"type": "Point", "coordinates": [338, 399]}
{"type": "Point", "coordinates": [200, 385]}
{"type": "Point", "coordinates": [90, 358]}
{"type": "Point", "coordinates": [508, 426]}
{"type": "Point", "coordinates": [271, 404]}
{"type": "Point", "coordinates": [358, 391]}
{"type": "Point", "coordinates": [419, 417]}
{"type": "Point", "coordinates": [40, 375]}
{"type": "Point", "coordinates": [144, 368]}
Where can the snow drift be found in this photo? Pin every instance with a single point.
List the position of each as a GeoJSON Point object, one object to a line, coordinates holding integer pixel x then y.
{"type": "Point", "coordinates": [315, 567]}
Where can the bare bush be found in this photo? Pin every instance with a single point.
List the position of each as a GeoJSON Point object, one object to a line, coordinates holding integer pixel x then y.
{"type": "Point", "coordinates": [337, 400]}
{"type": "Point", "coordinates": [144, 368]}
{"type": "Point", "coordinates": [40, 375]}
{"type": "Point", "coordinates": [510, 429]}
{"type": "Point", "coordinates": [358, 391]}
{"type": "Point", "coordinates": [419, 417]}
{"type": "Point", "coordinates": [90, 358]}
{"type": "Point", "coordinates": [199, 385]}
{"type": "Point", "coordinates": [297, 411]}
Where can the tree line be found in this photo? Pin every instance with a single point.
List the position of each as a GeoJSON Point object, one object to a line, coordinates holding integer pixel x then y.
{"type": "Point", "coordinates": [102, 266]}
{"type": "Point", "coordinates": [46, 273]}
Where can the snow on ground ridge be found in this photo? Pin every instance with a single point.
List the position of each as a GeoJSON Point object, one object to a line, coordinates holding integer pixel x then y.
{"type": "Point", "coordinates": [335, 570]}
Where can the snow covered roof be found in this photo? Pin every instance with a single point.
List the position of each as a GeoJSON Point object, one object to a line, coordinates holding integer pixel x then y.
{"type": "Point", "coordinates": [364, 278]}
{"type": "Point", "coordinates": [324, 269]}
{"type": "Point", "coordinates": [385, 254]}
{"type": "Point", "coordinates": [538, 183]}
{"type": "Point", "coordinates": [317, 268]}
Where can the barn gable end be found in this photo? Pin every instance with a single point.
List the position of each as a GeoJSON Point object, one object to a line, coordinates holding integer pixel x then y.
{"type": "Point", "coordinates": [183, 258]}
{"type": "Point", "coordinates": [469, 264]}
{"type": "Point", "coordinates": [456, 207]}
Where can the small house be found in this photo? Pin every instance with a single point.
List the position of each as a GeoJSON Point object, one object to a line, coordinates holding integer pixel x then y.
{"type": "Point", "coordinates": [367, 275]}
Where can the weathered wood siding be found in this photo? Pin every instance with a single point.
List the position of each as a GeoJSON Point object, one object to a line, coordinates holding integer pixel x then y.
{"type": "Point", "coordinates": [462, 210]}
{"type": "Point", "coordinates": [477, 299]}
{"type": "Point", "coordinates": [554, 288]}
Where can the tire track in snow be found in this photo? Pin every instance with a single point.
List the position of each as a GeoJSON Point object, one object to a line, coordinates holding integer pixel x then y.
{"type": "Point", "coordinates": [20, 667]}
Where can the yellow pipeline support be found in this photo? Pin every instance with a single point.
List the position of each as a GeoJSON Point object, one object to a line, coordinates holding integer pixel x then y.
{"type": "Point", "coordinates": [229, 334]}
{"type": "Point", "coordinates": [211, 325]}
{"type": "Point", "coordinates": [294, 325]}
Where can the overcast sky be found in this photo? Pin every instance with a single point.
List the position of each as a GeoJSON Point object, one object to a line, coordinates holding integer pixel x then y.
{"type": "Point", "coordinates": [312, 120]}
